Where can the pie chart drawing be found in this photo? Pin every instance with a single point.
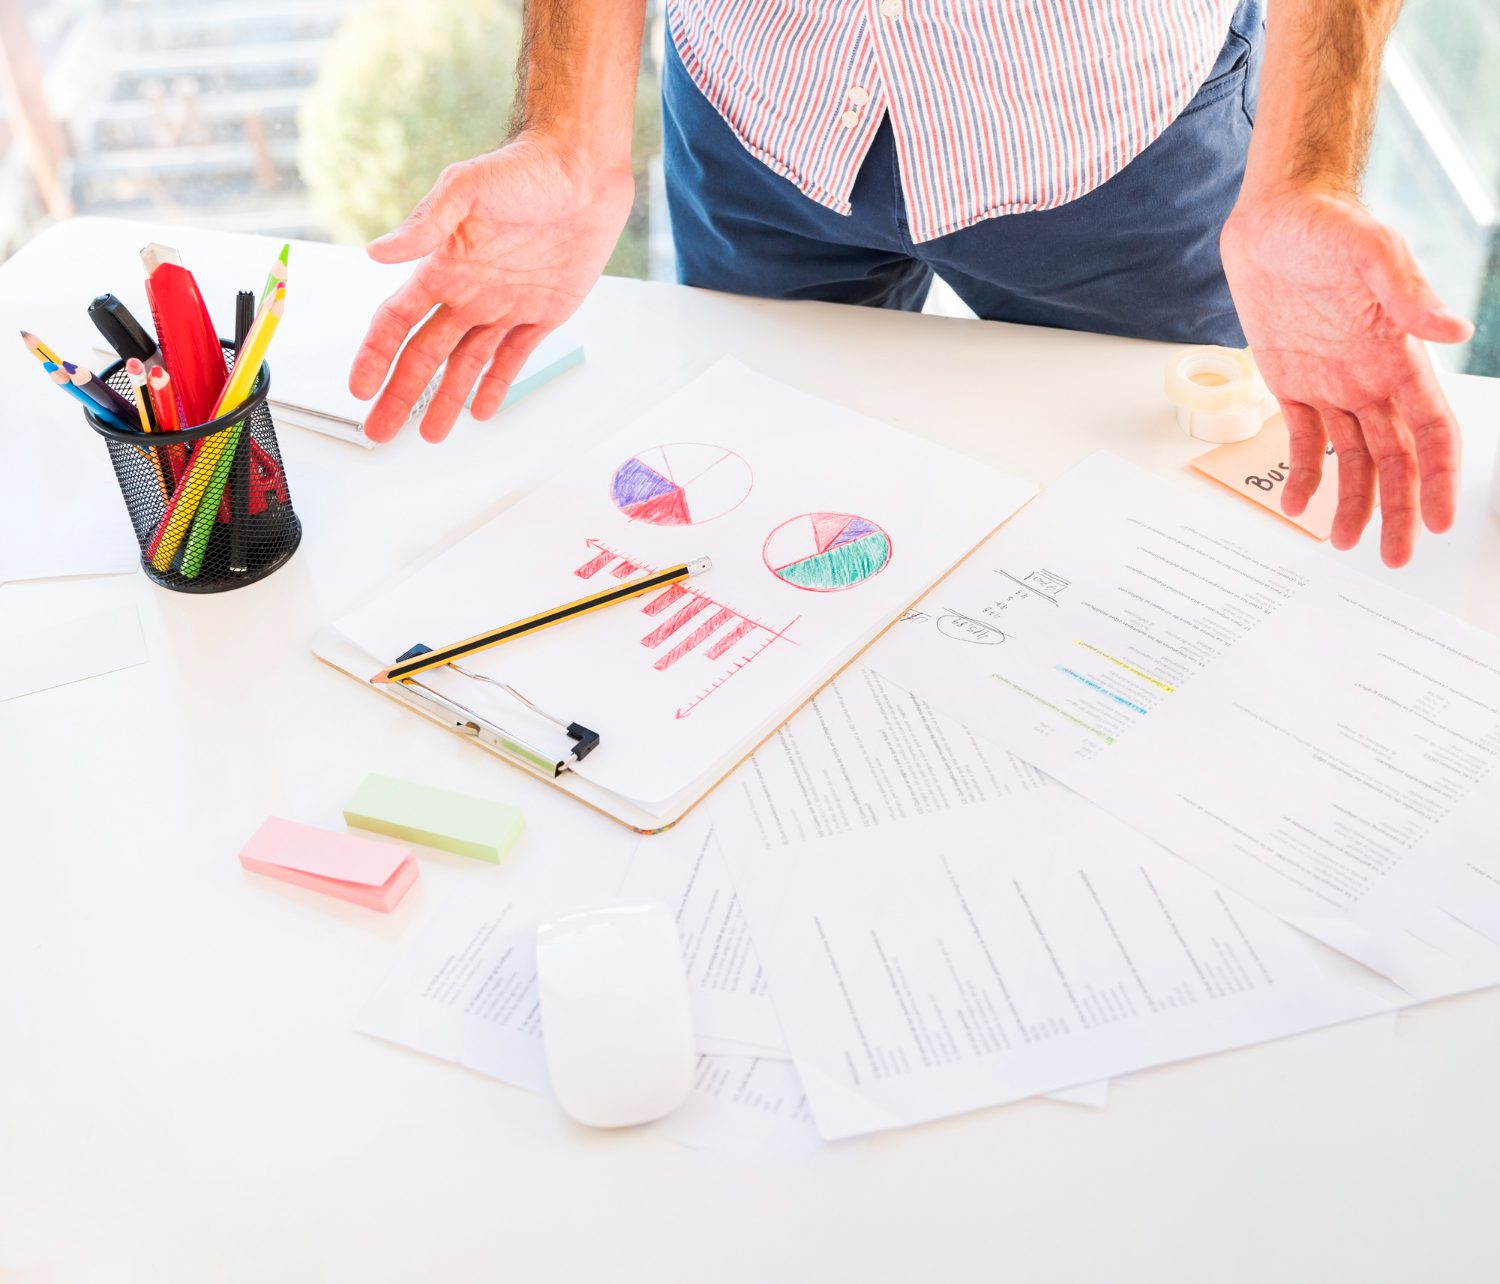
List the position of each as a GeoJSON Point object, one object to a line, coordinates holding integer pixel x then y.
{"type": "Point", "coordinates": [827, 552]}
{"type": "Point", "coordinates": [681, 485]}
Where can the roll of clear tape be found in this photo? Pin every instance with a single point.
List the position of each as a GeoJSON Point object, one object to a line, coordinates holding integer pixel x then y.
{"type": "Point", "coordinates": [1219, 393]}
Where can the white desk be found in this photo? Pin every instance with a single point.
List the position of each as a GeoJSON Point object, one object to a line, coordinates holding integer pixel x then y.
{"type": "Point", "coordinates": [182, 1097]}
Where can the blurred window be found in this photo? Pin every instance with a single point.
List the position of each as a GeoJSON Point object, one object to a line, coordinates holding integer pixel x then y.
{"type": "Point", "coordinates": [327, 119]}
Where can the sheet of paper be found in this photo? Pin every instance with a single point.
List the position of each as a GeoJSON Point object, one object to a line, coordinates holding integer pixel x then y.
{"type": "Point", "coordinates": [732, 1008]}
{"type": "Point", "coordinates": [465, 990]}
{"type": "Point", "coordinates": [60, 508]}
{"type": "Point", "coordinates": [999, 952]}
{"type": "Point", "coordinates": [865, 752]}
{"type": "Point", "coordinates": [899, 779]}
{"type": "Point", "coordinates": [61, 653]}
{"type": "Point", "coordinates": [1294, 729]}
{"type": "Point", "coordinates": [1258, 469]}
{"type": "Point", "coordinates": [822, 526]}
{"type": "Point", "coordinates": [743, 1104]}
{"type": "Point", "coordinates": [862, 754]}
{"type": "Point", "coordinates": [684, 870]}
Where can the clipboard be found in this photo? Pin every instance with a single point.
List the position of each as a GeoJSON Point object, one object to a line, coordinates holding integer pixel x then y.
{"type": "Point", "coordinates": [550, 758]}
{"type": "Point", "coordinates": [692, 719]}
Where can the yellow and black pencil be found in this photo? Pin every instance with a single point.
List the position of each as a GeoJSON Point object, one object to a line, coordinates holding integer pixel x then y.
{"type": "Point", "coordinates": [542, 620]}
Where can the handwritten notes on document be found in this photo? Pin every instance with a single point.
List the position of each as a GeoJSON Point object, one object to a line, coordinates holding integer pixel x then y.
{"type": "Point", "coordinates": [1304, 734]}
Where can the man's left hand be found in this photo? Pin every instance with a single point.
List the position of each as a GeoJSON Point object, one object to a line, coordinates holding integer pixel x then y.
{"type": "Point", "coordinates": [1334, 308]}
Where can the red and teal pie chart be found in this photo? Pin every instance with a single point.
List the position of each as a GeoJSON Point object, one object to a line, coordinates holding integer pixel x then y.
{"type": "Point", "coordinates": [827, 552]}
{"type": "Point", "coordinates": [683, 484]}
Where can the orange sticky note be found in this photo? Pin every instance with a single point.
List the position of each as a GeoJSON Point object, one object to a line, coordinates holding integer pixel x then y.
{"type": "Point", "coordinates": [358, 870]}
{"type": "Point", "coordinates": [1258, 469]}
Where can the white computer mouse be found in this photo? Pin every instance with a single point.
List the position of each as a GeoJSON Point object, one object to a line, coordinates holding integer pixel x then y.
{"type": "Point", "coordinates": [617, 1022]}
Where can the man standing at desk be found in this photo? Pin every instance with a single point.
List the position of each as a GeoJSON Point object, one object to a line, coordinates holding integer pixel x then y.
{"type": "Point", "coordinates": [1088, 164]}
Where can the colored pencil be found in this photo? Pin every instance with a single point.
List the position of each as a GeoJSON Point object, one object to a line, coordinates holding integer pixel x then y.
{"type": "Point", "coordinates": [164, 403]}
{"type": "Point", "coordinates": [135, 369]}
{"type": "Point", "coordinates": [59, 376]}
{"type": "Point", "coordinates": [205, 480]}
{"type": "Point", "coordinates": [96, 388]}
{"type": "Point", "coordinates": [38, 349]}
{"type": "Point", "coordinates": [276, 275]}
{"type": "Point", "coordinates": [543, 620]}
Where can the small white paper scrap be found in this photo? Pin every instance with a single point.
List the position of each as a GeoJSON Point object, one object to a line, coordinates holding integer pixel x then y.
{"type": "Point", "coordinates": [61, 653]}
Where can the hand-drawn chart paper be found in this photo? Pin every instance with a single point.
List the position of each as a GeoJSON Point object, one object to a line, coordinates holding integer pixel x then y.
{"type": "Point", "coordinates": [822, 526]}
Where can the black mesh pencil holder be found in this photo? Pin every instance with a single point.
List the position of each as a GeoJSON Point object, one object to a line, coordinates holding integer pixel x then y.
{"type": "Point", "coordinates": [209, 504]}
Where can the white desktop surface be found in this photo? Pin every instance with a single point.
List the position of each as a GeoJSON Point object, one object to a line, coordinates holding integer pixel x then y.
{"type": "Point", "coordinates": [182, 1097]}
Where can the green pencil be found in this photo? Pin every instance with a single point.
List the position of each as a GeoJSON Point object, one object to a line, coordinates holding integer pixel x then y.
{"type": "Point", "coordinates": [275, 275]}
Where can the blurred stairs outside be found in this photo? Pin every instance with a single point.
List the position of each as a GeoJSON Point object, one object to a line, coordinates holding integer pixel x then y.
{"type": "Point", "coordinates": [195, 114]}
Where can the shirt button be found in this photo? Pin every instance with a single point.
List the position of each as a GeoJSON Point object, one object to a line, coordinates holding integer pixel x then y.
{"type": "Point", "coordinates": [849, 119]}
{"type": "Point", "coordinates": [858, 95]}
{"type": "Point", "coordinates": [890, 8]}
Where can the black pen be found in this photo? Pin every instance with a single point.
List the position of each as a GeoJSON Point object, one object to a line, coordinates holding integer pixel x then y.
{"type": "Point", "coordinates": [239, 508]}
{"type": "Point", "coordinates": [123, 332]}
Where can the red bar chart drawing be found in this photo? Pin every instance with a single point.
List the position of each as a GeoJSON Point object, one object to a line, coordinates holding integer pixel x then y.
{"type": "Point", "coordinates": [683, 484]}
{"type": "Point", "coordinates": [827, 552]}
{"type": "Point", "coordinates": [686, 623]}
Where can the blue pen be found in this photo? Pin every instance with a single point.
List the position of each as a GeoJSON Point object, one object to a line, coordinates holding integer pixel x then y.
{"type": "Point", "coordinates": [60, 378]}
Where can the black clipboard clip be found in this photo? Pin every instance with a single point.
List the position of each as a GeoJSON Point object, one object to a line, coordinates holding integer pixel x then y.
{"type": "Point", "coordinates": [521, 750]}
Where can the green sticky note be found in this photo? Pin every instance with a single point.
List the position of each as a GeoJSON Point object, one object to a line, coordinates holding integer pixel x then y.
{"type": "Point", "coordinates": [441, 818]}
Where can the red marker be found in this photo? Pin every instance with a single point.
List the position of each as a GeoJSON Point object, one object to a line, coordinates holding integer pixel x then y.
{"type": "Point", "coordinates": [185, 331]}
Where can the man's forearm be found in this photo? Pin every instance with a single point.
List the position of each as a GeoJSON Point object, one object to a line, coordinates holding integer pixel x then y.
{"type": "Point", "coordinates": [578, 68]}
{"type": "Point", "coordinates": [1317, 95]}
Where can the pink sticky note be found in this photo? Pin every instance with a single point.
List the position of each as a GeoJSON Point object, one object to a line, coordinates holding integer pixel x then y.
{"type": "Point", "coordinates": [1258, 469]}
{"type": "Point", "coordinates": [359, 870]}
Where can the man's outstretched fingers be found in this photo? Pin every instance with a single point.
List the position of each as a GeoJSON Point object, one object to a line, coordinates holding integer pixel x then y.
{"type": "Point", "coordinates": [511, 355]}
{"type": "Point", "coordinates": [427, 350]}
{"type": "Point", "coordinates": [463, 369]}
{"type": "Point", "coordinates": [1395, 457]}
{"type": "Point", "coordinates": [394, 319]}
{"type": "Point", "coordinates": [1439, 445]}
{"type": "Point", "coordinates": [1309, 440]}
{"type": "Point", "coordinates": [1356, 478]}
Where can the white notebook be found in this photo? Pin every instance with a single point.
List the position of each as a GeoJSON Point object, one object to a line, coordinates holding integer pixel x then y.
{"type": "Point", "coordinates": [310, 390]}
{"type": "Point", "coordinates": [822, 525]}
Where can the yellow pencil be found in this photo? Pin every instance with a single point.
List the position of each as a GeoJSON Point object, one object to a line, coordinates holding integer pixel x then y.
{"type": "Point", "coordinates": [247, 364]}
{"type": "Point", "coordinates": [197, 486]}
{"type": "Point", "coordinates": [38, 349]}
{"type": "Point", "coordinates": [136, 370]}
{"type": "Point", "coordinates": [542, 620]}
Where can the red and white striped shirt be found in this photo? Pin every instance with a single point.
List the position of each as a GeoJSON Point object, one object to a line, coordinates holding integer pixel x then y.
{"type": "Point", "coordinates": [998, 106]}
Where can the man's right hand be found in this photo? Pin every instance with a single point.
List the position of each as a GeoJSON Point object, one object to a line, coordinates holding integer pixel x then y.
{"type": "Point", "coordinates": [511, 242]}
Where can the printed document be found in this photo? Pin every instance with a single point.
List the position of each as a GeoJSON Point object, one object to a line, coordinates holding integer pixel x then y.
{"type": "Point", "coordinates": [1305, 735]}
{"type": "Point", "coordinates": [943, 928]}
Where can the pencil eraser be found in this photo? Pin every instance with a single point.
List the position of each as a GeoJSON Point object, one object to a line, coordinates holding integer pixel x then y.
{"type": "Point", "coordinates": [354, 869]}
{"type": "Point", "coordinates": [441, 818]}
